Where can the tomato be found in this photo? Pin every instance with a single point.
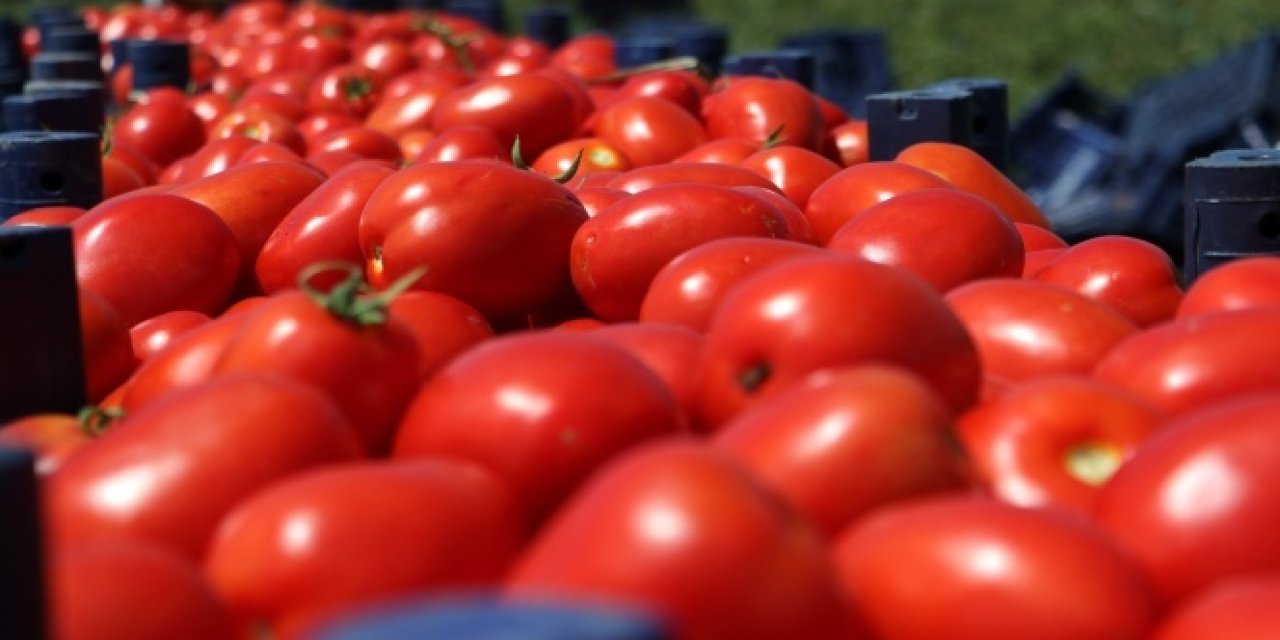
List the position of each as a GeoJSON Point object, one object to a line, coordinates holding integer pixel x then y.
{"type": "Point", "coordinates": [318, 52]}
{"type": "Point", "coordinates": [364, 141]}
{"type": "Point", "coordinates": [968, 171]}
{"type": "Point", "coordinates": [688, 288]}
{"type": "Point", "coordinates": [671, 173]}
{"type": "Point", "coordinates": [284, 105]}
{"type": "Point", "coordinates": [187, 360]}
{"type": "Point", "coordinates": [1243, 283]}
{"type": "Point", "coordinates": [810, 313]}
{"type": "Point", "coordinates": [54, 438]}
{"type": "Point", "coordinates": [533, 106]}
{"type": "Point", "coordinates": [721, 151]}
{"type": "Point", "coordinates": [463, 142]}
{"type": "Point", "coordinates": [1054, 441]}
{"type": "Point", "coordinates": [409, 81]}
{"type": "Point", "coordinates": [190, 261]}
{"type": "Point", "coordinates": [1199, 360]}
{"type": "Point", "coordinates": [270, 152]}
{"type": "Point", "coordinates": [217, 156]}
{"type": "Point", "coordinates": [108, 356]}
{"type": "Point", "coordinates": [965, 567]}
{"type": "Point", "coordinates": [597, 199]}
{"type": "Point", "coordinates": [141, 164]}
{"type": "Point", "coordinates": [683, 88]}
{"type": "Point", "coordinates": [850, 140]}
{"type": "Point", "coordinates": [759, 108]}
{"type": "Point", "coordinates": [168, 472]}
{"type": "Point", "coordinates": [289, 84]}
{"type": "Point", "coordinates": [616, 253]}
{"type": "Point", "coordinates": [131, 591]}
{"type": "Point", "coordinates": [252, 199]}
{"type": "Point", "coordinates": [317, 124]}
{"type": "Point", "coordinates": [442, 327]}
{"type": "Point", "coordinates": [1197, 503]}
{"type": "Point", "coordinates": [1234, 609]}
{"type": "Point", "coordinates": [397, 115]}
{"type": "Point", "coordinates": [261, 125]}
{"type": "Point", "coordinates": [682, 530]}
{"type": "Point", "coordinates": [44, 216]}
{"type": "Point", "coordinates": [902, 231]}
{"type": "Point", "coordinates": [385, 58]}
{"type": "Point", "coordinates": [1037, 238]}
{"type": "Point", "coordinates": [412, 143]}
{"type": "Point", "coordinates": [494, 236]}
{"type": "Point", "coordinates": [1132, 276]}
{"type": "Point", "coordinates": [795, 171]}
{"type": "Point", "coordinates": [152, 335]}
{"type": "Point", "coordinates": [649, 130]}
{"type": "Point", "coordinates": [589, 155]}
{"type": "Point", "coordinates": [118, 178]}
{"type": "Point", "coordinates": [324, 225]}
{"type": "Point", "coordinates": [331, 539]}
{"type": "Point", "coordinates": [844, 441]}
{"type": "Point", "coordinates": [347, 88]}
{"type": "Point", "coordinates": [669, 350]}
{"type": "Point", "coordinates": [1026, 329]}
{"type": "Point", "coordinates": [847, 194]}
{"type": "Point", "coordinates": [161, 130]}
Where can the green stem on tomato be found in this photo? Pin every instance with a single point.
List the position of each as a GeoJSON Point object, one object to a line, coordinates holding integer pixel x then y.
{"type": "Point", "coordinates": [351, 299]}
{"type": "Point", "coordinates": [94, 420]}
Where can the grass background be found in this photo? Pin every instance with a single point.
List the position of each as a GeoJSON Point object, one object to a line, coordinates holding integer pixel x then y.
{"type": "Point", "coordinates": [1117, 46]}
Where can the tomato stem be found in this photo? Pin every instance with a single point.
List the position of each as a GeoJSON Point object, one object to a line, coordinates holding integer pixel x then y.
{"type": "Point", "coordinates": [351, 299]}
{"type": "Point", "coordinates": [754, 376]}
{"type": "Point", "coordinates": [94, 421]}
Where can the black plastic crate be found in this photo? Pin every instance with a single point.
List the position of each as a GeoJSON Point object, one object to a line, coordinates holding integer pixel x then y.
{"type": "Point", "coordinates": [850, 65]}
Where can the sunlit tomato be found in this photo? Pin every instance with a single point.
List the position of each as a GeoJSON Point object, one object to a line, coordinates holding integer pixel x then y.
{"type": "Point", "coordinates": [465, 142]}
{"type": "Point", "coordinates": [347, 88]}
{"type": "Point", "coordinates": [682, 530]}
{"type": "Point", "coordinates": [533, 106]}
{"type": "Point", "coordinates": [209, 107]}
{"type": "Point", "coordinates": [285, 105]}
{"type": "Point", "coordinates": [758, 108]}
{"type": "Point", "coordinates": [385, 58]}
{"type": "Point", "coordinates": [966, 170]}
{"type": "Point", "coordinates": [362, 140]}
{"type": "Point", "coordinates": [850, 139]}
{"type": "Point", "coordinates": [1197, 504]}
{"type": "Point", "coordinates": [916, 567]}
{"type": "Point", "coordinates": [683, 88]}
{"type": "Point", "coordinates": [442, 326]}
{"type": "Point", "coordinates": [672, 173]}
{"type": "Point", "coordinates": [669, 350]}
{"type": "Point", "coordinates": [290, 84]}
{"type": "Point", "coordinates": [1244, 608]}
{"type": "Point", "coordinates": [847, 194]}
{"type": "Point", "coordinates": [317, 124]}
{"type": "Point", "coordinates": [318, 52]}
{"type": "Point", "coordinates": [1130, 275]}
{"type": "Point", "coordinates": [259, 124]}
{"type": "Point", "coordinates": [413, 110]}
{"type": "Point", "coordinates": [810, 313]}
{"type": "Point", "coordinates": [590, 155]}
{"type": "Point", "coordinates": [1199, 360]}
{"type": "Point", "coordinates": [413, 142]}
{"type": "Point", "coordinates": [1247, 282]}
{"type": "Point", "coordinates": [54, 437]}
{"type": "Point", "coordinates": [409, 81]}
{"type": "Point", "coordinates": [161, 130]}
{"type": "Point", "coordinates": [589, 55]}
{"type": "Point", "coordinates": [597, 199]}
{"type": "Point", "coordinates": [616, 253]}
{"type": "Point", "coordinates": [1055, 440]}
{"type": "Point", "coordinates": [152, 335]}
{"type": "Point", "coordinates": [902, 231]}
{"type": "Point", "coordinates": [1034, 261]}
{"type": "Point", "coordinates": [270, 152]}
{"type": "Point", "coordinates": [189, 359]}
{"type": "Point", "coordinates": [721, 150]}
{"type": "Point", "coordinates": [795, 171]}
{"type": "Point", "coordinates": [1037, 238]}
{"type": "Point", "coordinates": [847, 440]}
{"type": "Point", "coordinates": [45, 216]}
{"type": "Point", "coordinates": [218, 155]}
{"type": "Point", "coordinates": [142, 165]}
{"type": "Point", "coordinates": [648, 129]}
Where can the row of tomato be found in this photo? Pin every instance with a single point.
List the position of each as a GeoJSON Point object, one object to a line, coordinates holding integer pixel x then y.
{"type": "Point", "coordinates": [701, 358]}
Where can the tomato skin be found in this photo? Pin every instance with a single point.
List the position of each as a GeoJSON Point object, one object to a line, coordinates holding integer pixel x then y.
{"type": "Point", "coordinates": [1132, 276]}
{"type": "Point", "coordinates": [53, 438]}
{"type": "Point", "coordinates": [118, 178]}
{"type": "Point", "coordinates": [189, 359]}
{"type": "Point", "coordinates": [669, 173]}
{"type": "Point", "coordinates": [1234, 609]}
{"type": "Point", "coordinates": [104, 342]}
{"type": "Point", "coordinates": [413, 110]}
{"type": "Point", "coordinates": [670, 351]}
{"type": "Point", "coordinates": [324, 225]}
{"type": "Point", "coordinates": [161, 130]}
{"type": "Point", "coordinates": [682, 88]}
{"type": "Point", "coordinates": [1196, 504]}
{"type": "Point", "coordinates": [95, 592]}
{"type": "Point", "coordinates": [963, 167]}
{"type": "Point", "coordinates": [442, 327]}
{"type": "Point", "coordinates": [317, 124]}
{"type": "Point", "coordinates": [597, 199]}
{"type": "Point", "coordinates": [688, 288]}
{"type": "Point", "coordinates": [795, 171]}
{"type": "Point", "coordinates": [754, 108]}
{"type": "Point", "coordinates": [850, 140]}
{"type": "Point", "coordinates": [494, 236]}
{"type": "Point", "coordinates": [1021, 443]}
{"type": "Point", "coordinates": [845, 195]}
{"type": "Point", "coordinates": [364, 141]}
{"type": "Point", "coordinates": [1036, 238]}
{"type": "Point", "coordinates": [732, 564]}
{"type": "Point", "coordinates": [260, 124]}
{"type": "Point", "coordinates": [846, 440]}
{"type": "Point", "coordinates": [44, 216]}
{"type": "Point", "coordinates": [346, 88]}
{"type": "Point", "coordinates": [1243, 283]}
{"type": "Point", "coordinates": [1026, 329]}
{"type": "Point", "coordinates": [463, 142]}
{"type": "Point", "coordinates": [915, 568]}
{"type": "Point", "coordinates": [649, 130]}
{"type": "Point", "coordinates": [168, 472]}
{"type": "Point", "coordinates": [1197, 361]}
{"type": "Point", "coordinates": [153, 335]}
{"type": "Point", "coordinates": [216, 156]}
{"type": "Point", "coordinates": [616, 254]}
{"type": "Point", "coordinates": [811, 313]}
{"type": "Point", "coordinates": [981, 242]}
{"type": "Point", "coordinates": [597, 155]}
{"type": "Point", "coordinates": [533, 106]}
{"type": "Point", "coordinates": [376, 530]}
{"type": "Point", "coordinates": [721, 151]}
{"type": "Point", "coordinates": [190, 263]}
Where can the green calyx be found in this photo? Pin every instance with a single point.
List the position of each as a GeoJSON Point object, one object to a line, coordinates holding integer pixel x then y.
{"type": "Point", "coordinates": [351, 299]}
{"type": "Point", "coordinates": [95, 421]}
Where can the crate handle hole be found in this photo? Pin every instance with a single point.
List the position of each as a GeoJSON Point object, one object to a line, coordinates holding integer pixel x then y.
{"type": "Point", "coordinates": [1269, 225]}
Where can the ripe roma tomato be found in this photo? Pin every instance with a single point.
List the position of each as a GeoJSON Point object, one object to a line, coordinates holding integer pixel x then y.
{"type": "Point", "coordinates": [811, 313]}
{"type": "Point", "coordinates": [967, 567]}
{"type": "Point", "coordinates": [395, 116]}
{"type": "Point", "coordinates": [1132, 276]}
{"type": "Point", "coordinates": [682, 530]}
{"type": "Point", "coordinates": [533, 106]}
{"type": "Point", "coordinates": [588, 155]}
{"type": "Point", "coordinates": [643, 178]}
{"type": "Point", "coordinates": [758, 108]}
{"type": "Point", "coordinates": [850, 140]}
{"type": "Point", "coordinates": [161, 130]}
{"type": "Point", "coordinates": [1247, 282]}
{"type": "Point", "coordinates": [54, 438]}
{"type": "Point", "coordinates": [543, 433]}
{"type": "Point", "coordinates": [966, 170]}
{"type": "Point", "coordinates": [669, 350]}
{"type": "Point", "coordinates": [722, 151]}
{"type": "Point", "coordinates": [795, 171]}
{"type": "Point", "coordinates": [1054, 441]}
{"type": "Point", "coordinates": [848, 193]}
{"type": "Point", "coordinates": [493, 236]}
{"type": "Point", "coordinates": [153, 335]}
{"type": "Point", "coordinates": [903, 231]}
{"type": "Point", "coordinates": [846, 440]}
{"type": "Point", "coordinates": [442, 326]}
{"type": "Point", "coordinates": [648, 129]}
{"type": "Point", "coordinates": [363, 141]}
{"type": "Point", "coordinates": [463, 142]}
{"type": "Point", "coordinates": [347, 88]}
{"type": "Point", "coordinates": [1243, 608]}
{"type": "Point", "coordinates": [1197, 503]}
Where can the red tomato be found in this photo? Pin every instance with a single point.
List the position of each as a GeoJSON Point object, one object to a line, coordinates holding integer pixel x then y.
{"type": "Point", "coordinates": [317, 124]}
{"type": "Point", "coordinates": [903, 231]}
{"type": "Point", "coordinates": [669, 350]}
{"type": "Point", "coordinates": [44, 216]}
{"type": "Point", "coordinates": [323, 542]}
{"type": "Point", "coordinates": [410, 80]}
{"type": "Point", "coordinates": [688, 288]}
{"type": "Point", "coordinates": [649, 130]}
{"type": "Point", "coordinates": [130, 591]}
{"type": "Point", "coordinates": [385, 58]}
{"type": "Point", "coordinates": [1026, 329]}
{"type": "Point", "coordinates": [672, 173]}
{"type": "Point", "coordinates": [395, 116]}
{"type": "Point", "coordinates": [1054, 441]}
{"type": "Point", "coordinates": [161, 130]}
{"type": "Point", "coordinates": [216, 156]}
{"type": "Point", "coordinates": [847, 440]}
{"type": "Point", "coordinates": [168, 473]}
{"type": "Point", "coordinates": [1036, 238]}
{"type": "Point", "coordinates": [412, 143]}
{"type": "Point", "coordinates": [152, 335]}
{"type": "Point", "coordinates": [850, 140]}
{"type": "Point", "coordinates": [346, 88]}
{"type": "Point", "coordinates": [464, 142]}
{"type": "Point", "coordinates": [540, 433]}
{"type": "Point", "coordinates": [591, 155]}
{"type": "Point", "coordinates": [1197, 503]}
{"type": "Point", "coordinates": [1245, 608]}
{"type": "Point", "coordinates": [683, 88]}
{"type": "Point", "coordinates": [364, 141]}
{"type": "Point", "coordinates": [964, 567]}
{"type": "Point", "coordinates": [286, 106]}
{"type": "Point", "coordinates": [141, 164]}
{"type": "Point", "coordinates": [616, 254]}
{"type": "Point", "coordinates": [270, 152]}
{"type": "Point", "coordinates": [759, 108]}
{"type": "Point", "coordinates": [797, 225]}
{"type": "Point", "coordinates": [187, 360]}
{"type": "Point", "coordinates": [847, 194]}
{"type": "Point", "coordinates": [588, 55]}
{"type": "Point", "coordinates": [795, 171]}
{"type": "Point", "coordinates": [118, 178]}
{"type": "Point", "coordinates": [811, 313]}
{"type": "Point", "coordinates": [494, 236]}
{"type": "Point", "coordinates": [1034, 261]}
{"type": "Point", "coordinates": [1247, 282]}
{"type": "Point", "coordinates": [190, 260]}
{"type": "Point", "coordinates": [1197, 361]}
{"type": "Point", "coordinates": [1132, 276]}
{"type": "Point", "coordinates": [597, 199]}
{"type": "Point", "coordinates": [261, 125]}
{"type": "Point", "coordinates": [442, 327]}
{"type": "Point", "coordinates": [54, 438]}
{"type": "Point", "coordinates": [533, 106]}
{"type": "Point", "coordinates": [681, 529]}
{"type": "Point", "coordinates": [968, 171]}
{"type": "Point", "coordinates": [721, 151]}
{"type": "Point", "coordinates": [317, 52]}
{"type": "Point", "coordinates": [106, 349]}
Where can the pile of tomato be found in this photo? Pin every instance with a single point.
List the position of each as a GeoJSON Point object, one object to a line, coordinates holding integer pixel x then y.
{"type": "Point", "coordinates": [686, 351]}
